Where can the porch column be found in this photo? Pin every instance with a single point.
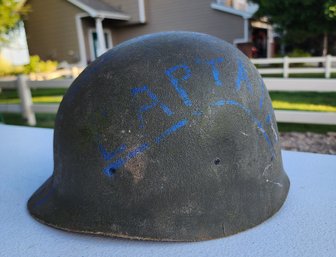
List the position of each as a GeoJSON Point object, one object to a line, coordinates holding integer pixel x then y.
{"type": "Point", "coordinates": [270, 41]}
{"type": "Point", "coordinates": [100, 36]}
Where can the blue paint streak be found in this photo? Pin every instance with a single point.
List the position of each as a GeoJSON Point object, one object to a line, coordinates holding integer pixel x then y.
{"type": "Point", "coordinates": [111, 168]}
{"type": "Point", "coordinates": [215, 71]}
{"type": "Point", "coordinates": [197, 113]}
{"type": "Point", "coordinates": [198, 61]}
{"type": "Point", "coordinates": [110, 155]}
{"type": "Point", "coordinates": [137, 151]}
{"type": "Point", "coordinates": [218, 103]}
{"type": "Point", "coordinates": [243, 107]}
{"type": "Point", "coordinates": [261, 101]}
{"type": "Point", "coordinates": [269, 121]}
{"type": "Point", "coordinates": [171, 130]}
{"type": "Point", "coordinates": [242, 77]}
{"type": "Point", "coordinates": [155, 101]}
{"type": "Point", "coordinates": [249, 113]}
{"type": "Point", "coordinates": [268, 118]}
{"type": "Point", "coordinates": [176, 84]}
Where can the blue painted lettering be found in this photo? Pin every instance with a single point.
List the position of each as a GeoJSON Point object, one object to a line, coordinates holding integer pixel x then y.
{"type": "Point", "coordinates": [215, 71]}
{"type": "Point", "coordinates": [111, 168]}
{"type": "Point", "coordinates": [171, 130]}
{"type": "Point", "coordinates": [155, 101]}
{"type": "Point", "coordinates": [176, 83]}
{"type": "Point", "coordinates": [110, 155]}
{"type": "Point", "coordinates": [242, 77]}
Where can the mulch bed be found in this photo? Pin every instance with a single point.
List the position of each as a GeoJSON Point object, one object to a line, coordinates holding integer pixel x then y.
{"type": "Point", "coordinates": [309, 142]}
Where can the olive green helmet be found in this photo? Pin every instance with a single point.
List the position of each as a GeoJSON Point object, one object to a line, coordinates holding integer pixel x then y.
{"type": "Point", "coordinates": [168, 137]}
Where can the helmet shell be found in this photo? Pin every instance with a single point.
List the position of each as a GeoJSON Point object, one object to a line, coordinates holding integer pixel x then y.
{"type": "Point", "coordinates": [169, 136]}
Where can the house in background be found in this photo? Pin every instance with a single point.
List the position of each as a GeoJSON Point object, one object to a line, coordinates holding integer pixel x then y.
{"type": "Point", "coordinates": [78, 31]}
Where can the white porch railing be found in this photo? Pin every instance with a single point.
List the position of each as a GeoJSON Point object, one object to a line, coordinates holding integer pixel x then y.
{"type": "Point", "coordinates": [309, 65]}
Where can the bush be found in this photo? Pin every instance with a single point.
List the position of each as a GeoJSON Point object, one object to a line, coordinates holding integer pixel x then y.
{"type": "Point", "coordinates": [36, 65]}
{"type": "Point", "coordinates": [6, 68]}
{"type": "Point", "coordinates": [299, 53]}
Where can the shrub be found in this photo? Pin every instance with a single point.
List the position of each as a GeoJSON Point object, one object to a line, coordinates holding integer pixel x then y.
{"type": "Point", "coordinates": [6, 68]}
{"type": "Point", "coordinates": [36, 65]}
{"type": "Point", "coordinates": [299, 53]}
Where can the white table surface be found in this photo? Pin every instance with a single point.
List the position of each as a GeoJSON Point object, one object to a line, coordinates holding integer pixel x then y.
{"type": "Point", "coordinates": [305, 225]}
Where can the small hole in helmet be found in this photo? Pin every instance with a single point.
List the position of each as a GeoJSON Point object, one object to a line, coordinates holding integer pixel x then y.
{"type": "Point", "coordinates": [112, 171]}
{"type": "Point", "coordinates": [217, 161]}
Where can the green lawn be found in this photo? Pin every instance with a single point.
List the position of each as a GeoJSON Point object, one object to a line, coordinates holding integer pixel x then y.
{"type": "Point", "coordinates": [301, 75]}
{"type": "Point", "coordinates": [308, 101]}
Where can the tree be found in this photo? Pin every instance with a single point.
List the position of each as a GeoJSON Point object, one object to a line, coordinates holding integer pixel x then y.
{"type": "Point", "coordinates": [11, 13]}
{"type": "Point", "coordinates": [300, 20]}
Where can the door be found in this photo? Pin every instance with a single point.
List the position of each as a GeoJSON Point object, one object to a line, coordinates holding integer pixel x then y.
{"type": "Point", "coordinates": [94, 46]}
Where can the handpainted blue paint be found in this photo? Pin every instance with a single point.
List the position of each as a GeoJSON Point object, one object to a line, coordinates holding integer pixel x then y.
{"type": "Point", "coordinates": [214, 69]}
{"type": "Point", "coordinates": [268, 119]}
{"type": "Point", "coordinates": [243, 107]}
{"type": "Point", "coordinates": [250, 114]}
{"type": "Point", "coordinates": [155, 101]}
{"type": "Point", "coordinates": [110, 155]}
{"type": "Point", "coordinates": [171, 130]}
{"type": "Point", "coordinates": [262, 94]}
{"type": "Point", "coordinates": [137, 151]}
{"type": "Point", "coordinates": [268, 140]}
{"type": "Point", "coordinates": [176, 83]}
{"type": "Point", "coordinates": [218, 103]}
{"type": "Point", "coordinates": [111, 168]}
{"type": "Point", "coordinates": [198, 61]}
{"type": "Point", "coordinates": [242, 77]}
{"type": "Point", "coordinates": [197, 113]}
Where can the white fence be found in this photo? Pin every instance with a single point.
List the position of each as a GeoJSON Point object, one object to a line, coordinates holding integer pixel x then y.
{"type": "Point", "coordinates": [28, 108]}
{"type": "Point", "coordinates": [309, 65]}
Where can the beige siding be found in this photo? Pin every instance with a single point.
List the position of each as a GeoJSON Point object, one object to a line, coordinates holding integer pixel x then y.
{"type": "Point", "coordinates": [130, 7]}
{"type": "Point", "coordinates": [196, 15]}
{"type": "Point", "coordinates": [51, 30]}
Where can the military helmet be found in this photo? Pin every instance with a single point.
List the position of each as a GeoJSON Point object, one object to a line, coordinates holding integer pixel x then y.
{"type": "Point", "coordinates": [170, 137]}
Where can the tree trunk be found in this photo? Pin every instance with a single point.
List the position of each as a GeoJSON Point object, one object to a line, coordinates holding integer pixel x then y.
{"type": "Point", "coordinates": [325, 44]}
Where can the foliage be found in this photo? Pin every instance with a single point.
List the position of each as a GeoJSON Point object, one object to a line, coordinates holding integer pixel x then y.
{"type": "Point", "coordinates": [330, 9]}
{"type": "Point", "coordinates": [299, 53]}
{"type": "Point", "coordinates": [11, 13]}
{"type": "Point", "coordinates": [300, 20]}
{"type": "Point", "coordinates": [37, 65]}
{"type": "Point", "coordinates": [6, 68]}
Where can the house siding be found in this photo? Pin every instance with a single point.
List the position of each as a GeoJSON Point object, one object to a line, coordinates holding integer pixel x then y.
{"type": "Point", "coordinates": [130, 7]}
{"type": "Point", "coordinates": [197, 16]}
{"type": "Point", "coordinates": [57, 16]}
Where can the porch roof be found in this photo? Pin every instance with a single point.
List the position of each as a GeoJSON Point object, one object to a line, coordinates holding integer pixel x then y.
{"type": "Point", "coordinates": [100, 9]}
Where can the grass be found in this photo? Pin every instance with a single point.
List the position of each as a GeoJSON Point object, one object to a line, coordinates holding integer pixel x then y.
{"type": "Point", "coordinates": [308, 101]}
{"type": "Point", "coordinates": [304, 101]}
{"type": "Point", "coordinates": [301, 75]}
{"type": "Point", "coordinates": [53, 95]}
{"type": "Point", "coordinates": [43, 120]}
{"type": "Point", "coordinates": [294, 127]}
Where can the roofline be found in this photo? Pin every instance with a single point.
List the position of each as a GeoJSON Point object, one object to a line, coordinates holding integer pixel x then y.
{"type": "Point", "coordinates": [223, 8]}
{"type": "Point", "coordinates": [99, 14]}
